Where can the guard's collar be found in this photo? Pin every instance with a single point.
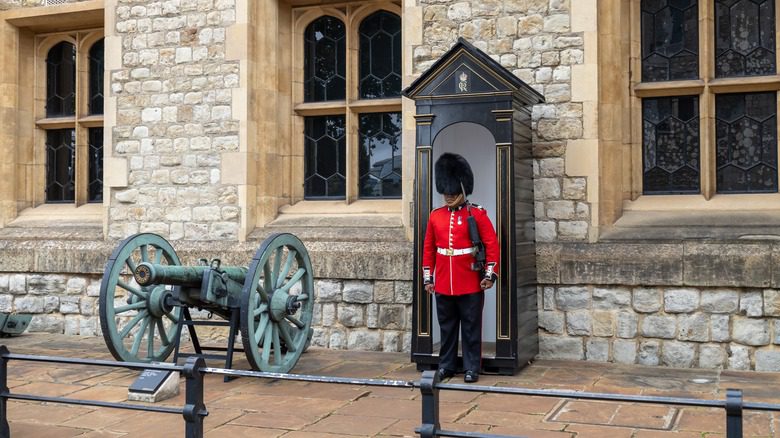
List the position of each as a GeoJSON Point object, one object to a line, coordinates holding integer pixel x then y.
{"type": "Point", "coordinates": [460, 207]}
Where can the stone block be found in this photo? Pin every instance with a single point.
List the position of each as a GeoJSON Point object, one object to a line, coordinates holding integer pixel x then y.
{"type": "Point", "coordinates": [364, 340]}
{"type": "Point", "coordinates": [647, 300]}
{"type": "Point", "coordinates": [392, 317]}
{"type": "Point", "coordinates": [29, 305]}
{"type": "Point", "coordinates": [6, 303]}
{"type": "Point", "coordinates": [712, 356]}
{"type": "Point", "coordinates": [358, 292]}
{"type": "Point", "coordinates": [4, 281]}
{"type": "Point", "coordinates": [694, 327]}
{"type": "Point", "coordinates": [391, 341]}
{"type": "Point", "coordinates": [69, 305]}
{"type": "Point", "coordinates": [320, 337]}
{"type": "Point", "coordinates": [76, 286]}
{"type": "Point", "coordinates": [545, 231]}
{"type": "Point", "coordinates": [46, 284]}
{"type": "Point", "coordinates": [578, 323]}
{"type": "Point", "coordinates": [767, 360]}
{"type": "Point", "coordinates": [649, 353]}
{"type": "Point", "coordinates": [548, 298]}
{"type": "Point", "coordinates": [678, 354]}
{"type": "Point", "coordinates": [350, 315]}
{"type": "Point", "coordinates": [611, 299]}
{"type": "Point", "coordinates": [338, 340]}
{"type": "Point", "coordinates": [560, 347]}
{"type": "Point", "coordinates": [719, 301]}
{"type": "Point", "coordinates": [372, 316]}
{"type": "Point", "coordinates": [751, 304]}
{"type": "Point", "coordinates": [328, 290]}
{"type": "Point", "coordinates": [47, 324]}
{"type": "Point", "coordinates": [728, 264]}
{"type": "Point", "coordinates": [627, 325]}
{"type": "Point", "coordinates": [548, 262]}
{"type": "Point", "coordinates": [620, 263]}
{"type": "Point", "coordinates": [51, 304]}
{"type": "Point", "coordinates": [603, 323]}
{"type": "Point", "coordinates": [328, 314]}
{"type": "Point", "coordinates": [384, 292]}
{"type": "Point", "coordinates": [681, 300]}
{"type": "Point", "coordinates": [719, 328]}
{"type": "Point", "coordinates": [88, 326]}
{"type": "Point", "coordinates": [771, 302]}
{"type": "Point", "coordinates": [568, 230]}
{"type": "Point", "coordinates": [739, 357]}
{"type": "Point", "coordinates": [71, 326]}
{"type": "Point", "coordinates": [551, 321]}
{"type": "Point", "coordinates": [750, 331]}
{"type": "Point", "coordinates": [404, 290]}
{"type": "Point", "coordinates": [597, 350]}
{"type": "Point", "coordinates": [657, 326]}
{"type": "Point", "coordinates": [624, 351]}
{"type": "Point", "coordinates": [572, 298]}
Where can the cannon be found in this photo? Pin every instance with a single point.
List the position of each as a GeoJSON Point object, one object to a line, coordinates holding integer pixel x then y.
{"type": "Point", "coordinates": [146, 294]}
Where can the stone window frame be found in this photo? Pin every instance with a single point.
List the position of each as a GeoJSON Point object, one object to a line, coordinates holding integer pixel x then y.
{"type": "Point", "coordinates": [81, 121]}
{"type": "Point", "coordinates": [351, 14]}
{"type": "Point", "coordinates": [706, 87]}
{"type": "Point", "coordinates": [620, 122]}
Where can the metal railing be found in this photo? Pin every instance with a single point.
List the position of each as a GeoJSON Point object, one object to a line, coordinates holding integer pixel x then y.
{"type": "Point", "coordinates": [194, 409]}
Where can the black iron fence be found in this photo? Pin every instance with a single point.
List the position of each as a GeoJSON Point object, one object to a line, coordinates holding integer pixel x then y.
{"type": "Point", "coordinates": [194, 409]}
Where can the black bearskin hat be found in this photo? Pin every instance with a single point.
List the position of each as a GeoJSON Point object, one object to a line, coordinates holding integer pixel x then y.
{"type": "Point", "coordinates": [452, 170]}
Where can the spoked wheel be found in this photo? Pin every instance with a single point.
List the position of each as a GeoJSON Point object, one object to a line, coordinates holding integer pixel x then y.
{"type": "Point", "coordinates": [276, 304]}
{"type": "Point", "coordinates": [138, 325]}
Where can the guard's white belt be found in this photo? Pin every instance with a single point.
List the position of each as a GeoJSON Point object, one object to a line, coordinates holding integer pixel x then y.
{"type": "Point", "coordinates": [454, 252]}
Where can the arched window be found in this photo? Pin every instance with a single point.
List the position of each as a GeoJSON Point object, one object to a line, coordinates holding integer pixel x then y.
{"type": "Point", "coordinates": [364, 80]}
{"type": "Point", "coordinates": [73, 122]}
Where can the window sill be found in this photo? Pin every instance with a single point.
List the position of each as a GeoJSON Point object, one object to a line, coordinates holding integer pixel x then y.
{"type": "Point", "coordinates": [363, 220]}
{"type": "Point", "coordinates": [691, 217]}
{"type": "Point", "coordinates": [57, 221]}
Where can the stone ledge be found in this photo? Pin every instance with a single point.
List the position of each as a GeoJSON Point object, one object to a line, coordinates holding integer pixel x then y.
{"type": "Point", "coordinates": [649, 263]}
{"type": "Point", "coordinates": [330, 259]}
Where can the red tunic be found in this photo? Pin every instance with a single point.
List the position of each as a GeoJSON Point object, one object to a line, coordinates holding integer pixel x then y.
{"type": "Point", "coordinates": [448, 229]}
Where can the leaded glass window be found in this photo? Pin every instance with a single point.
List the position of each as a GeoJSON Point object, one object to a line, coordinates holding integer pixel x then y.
{"type": "Point", "coordinates": [343, 80]}
{"type": "Point", "coordinates": [60, 165]}
{"type": "Point", "coordinates": [671, 145]}
{"type": "Point", "coordinates": [325, 60]}
{"type": "Point", "coordinates": [744, 37]}
{"type": "Point", "coordinates": [96, 78]}
{"type": "Point", "coordinates": [746, 137]}
{"type": "Point", "coordinates": [61, 80]}
{"type": "Point", "coordinates": [670, 40]}
{"type": "Point", "coordinates": [380, 56]}
{"type": "Point", "coordinates": [325, 152]}
{"type": "Point", "coordinates": [95, 148]}
{"type": "Point", "coordinates": [380, 155]}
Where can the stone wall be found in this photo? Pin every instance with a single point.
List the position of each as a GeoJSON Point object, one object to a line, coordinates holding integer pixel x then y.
{"type": "Point", "coordinates": [355, 315]}
{"type": "Point", "coordinates": [533, 39]}
{"type": "Point", "coordinates": [8, 4]}
{"type": "Point", "coordinates": [678, 327]}
{"type": "Point", "coordinates": [174, 120]}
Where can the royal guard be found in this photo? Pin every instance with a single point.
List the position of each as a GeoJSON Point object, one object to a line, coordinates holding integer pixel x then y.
{"type": "Point", "coordinates": [460, 260]}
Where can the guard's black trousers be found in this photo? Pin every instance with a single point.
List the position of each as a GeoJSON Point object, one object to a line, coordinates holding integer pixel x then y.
{"type": "Point", "coordinates": [464, 311]}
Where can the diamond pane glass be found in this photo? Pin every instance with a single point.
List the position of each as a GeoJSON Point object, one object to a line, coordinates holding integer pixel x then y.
{"type": "Point", "coordinates": [61, 80]}
{"type": "Point", "coordinates": [746, 138]}
{"type": "Point", "coordinates": [670, 40]}
{"type": "Point", "coordinates": [380, 56]}
{"type": "Point", "coordinates": [744, 38]}
{"type": "Point", "coordinates": [95, 150]}
{"type": "Point", "coordinates": [96, 78]}
{"type": "Point", "coordinates": [325, 60]}
{"type": "Point", "coordinates": [325, 157]}
{"type": "Point", "coordinates": [60, 165]}
{"type": "Point", "coordinates": [380, 155]}
{"type": "Point", "coordinates": [670, 145]}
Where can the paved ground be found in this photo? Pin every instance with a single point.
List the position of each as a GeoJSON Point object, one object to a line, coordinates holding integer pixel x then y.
{"type": "Point", "coordinates": [270, 408]}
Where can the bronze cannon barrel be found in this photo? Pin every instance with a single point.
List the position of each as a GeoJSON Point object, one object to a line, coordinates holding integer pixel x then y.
{"type": "Point", "coordinates": [190, 276]}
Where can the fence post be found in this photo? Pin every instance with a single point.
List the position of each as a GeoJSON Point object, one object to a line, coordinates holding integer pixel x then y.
{"type": "Point", "coordinates": [430, 404]}
{"type": "Point", "coordinates": [733, 413]}
{"type": "Point", "coordinates": [194, 409]}
{"type": "Point", "coordinates": [5, 430]}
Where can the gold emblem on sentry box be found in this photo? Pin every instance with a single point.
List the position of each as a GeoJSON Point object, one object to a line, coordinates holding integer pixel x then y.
{"type": "Point", "coordinates": [463, 82]}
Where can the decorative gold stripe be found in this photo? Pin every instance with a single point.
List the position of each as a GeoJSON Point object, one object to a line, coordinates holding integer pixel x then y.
{"type": "Point", "coordinates": [421, 294]}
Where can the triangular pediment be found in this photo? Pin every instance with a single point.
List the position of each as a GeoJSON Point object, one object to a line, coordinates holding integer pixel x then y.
{"type": "Point", "coordinates": [467, 71]}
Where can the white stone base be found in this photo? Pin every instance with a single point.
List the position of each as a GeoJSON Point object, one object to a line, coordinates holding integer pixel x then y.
{"type": "Point", "coordinates": [168, 389]}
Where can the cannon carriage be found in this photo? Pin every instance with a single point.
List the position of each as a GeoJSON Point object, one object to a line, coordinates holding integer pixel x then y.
{"type": "Point", "coordinates": [146, 294]}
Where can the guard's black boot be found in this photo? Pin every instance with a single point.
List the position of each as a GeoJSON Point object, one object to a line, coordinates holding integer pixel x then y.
{"type": "Point", "coordinates": [471, 376]}
{"type": "Point", "coordinates": [445, 373]}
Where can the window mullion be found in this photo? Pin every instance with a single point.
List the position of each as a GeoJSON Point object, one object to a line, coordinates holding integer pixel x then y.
{"type": "Point", "coordinates": [352, 118]}
{"type": "Point", "coordinates": [707, 101]}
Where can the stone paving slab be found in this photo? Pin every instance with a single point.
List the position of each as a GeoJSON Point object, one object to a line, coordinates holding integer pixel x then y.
{"type": "Point", "coordinates": [257, 408]}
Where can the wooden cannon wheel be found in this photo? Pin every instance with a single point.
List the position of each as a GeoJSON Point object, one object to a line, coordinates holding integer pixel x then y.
{"type": "Point", "coordinates": [277, 303]}
{"type": "Point", "coordinates": [136, 323]}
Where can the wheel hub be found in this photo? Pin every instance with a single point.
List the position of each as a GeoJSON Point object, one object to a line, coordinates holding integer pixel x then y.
{"type": "Point", "coordinates": [158, 302]}
{"type": "Point", "coordinates": [279, 307]}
